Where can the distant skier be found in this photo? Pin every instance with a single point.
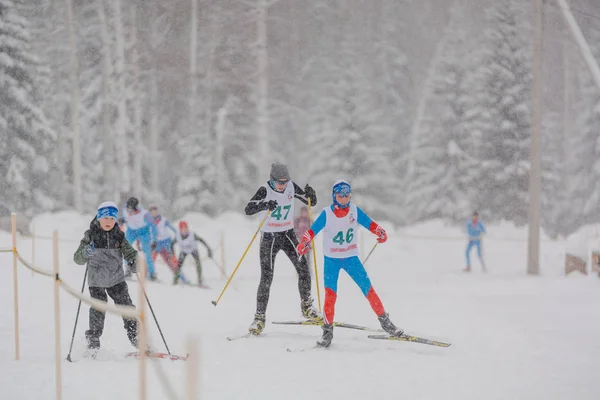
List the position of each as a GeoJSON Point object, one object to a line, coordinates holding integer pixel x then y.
{"type": "Point", "coordinates": [475, 230]}
{"type": "Point", "coordinates": [301, 225]}
{"type": "Point", "coordinates": [103, 248]}
{"type": "Point", "coordinates": [140, 226]}
{"type": "Point", "coordinates": [277, 195]}
{"type": "Point", "coordinates": [164, 241]}
{"type": "Point", "coordinates": [339, 223]}
{"type": "Point", "coordinates": [188, 245]}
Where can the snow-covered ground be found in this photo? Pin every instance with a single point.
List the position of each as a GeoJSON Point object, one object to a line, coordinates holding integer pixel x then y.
{"type": "Point", "coordinates": [513, 336]}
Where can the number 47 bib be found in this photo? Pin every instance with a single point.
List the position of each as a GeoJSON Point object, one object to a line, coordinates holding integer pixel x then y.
{"type": "Point", "coordinates": [281, 218]}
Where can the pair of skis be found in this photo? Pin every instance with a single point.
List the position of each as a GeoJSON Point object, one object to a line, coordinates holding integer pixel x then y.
{"type": "Point", "coordinates": [384, 336]}
{"type": "Point", "coordinates": [404, 338]}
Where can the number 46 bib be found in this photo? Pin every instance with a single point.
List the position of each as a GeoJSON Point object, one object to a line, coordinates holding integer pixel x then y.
{"type": "Point", "coordinates": [340, 234]}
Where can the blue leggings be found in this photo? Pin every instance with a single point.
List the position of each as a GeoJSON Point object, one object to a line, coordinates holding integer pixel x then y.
{"type": "Point", "coordinates": [357, 272]}
{"type": "Point", "coordinates": [143, 235]}
{"type": "Point", "coordinates": [352, 266]}
{"type": "Point", "coordinates": [477, 244]}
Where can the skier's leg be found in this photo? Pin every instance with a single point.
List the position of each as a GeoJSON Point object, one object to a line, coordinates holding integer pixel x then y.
{"type": "Point", "coordinates": [268, 251]}
{"type": "Point", "coordinates": [468, 255]}
{"type": "Point", "coordinates": [120, 295]}
{"type": "Point", "coordinates": [178, 273]}
{"type": "Point", "coordinates": [357, 272]}
{"type": "Point", "coordinates": [331, 273]}
{"type": "Point", "coordinates": [131, 235]}
{"type": "Point", "coordinates": [147, 250]}
{"type": "Point", "coordinates": [478, 245]}
{"type": "Point", "coordinates": [304, 284]}
{"type": "Point", "coordinates": [198, 265]}
{"type": "Point", "coordinates": [96, 319]}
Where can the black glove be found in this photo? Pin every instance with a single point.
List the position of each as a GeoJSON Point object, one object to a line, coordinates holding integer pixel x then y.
{"type": "Point", "coordinates": [153, 246]}
{"type": "Point", "coordinates": [271, 204]}
{"type": "Point", "coordinates": [311, 194]}
{"type": "Point", "coordinates": [132, 265]}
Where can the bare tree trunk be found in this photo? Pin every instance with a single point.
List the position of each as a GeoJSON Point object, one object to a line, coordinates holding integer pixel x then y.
{"type": "Point", "coordinates": [107, 133]}
{"type": "Point", "coordinates": [262, 60]}
{"type": "Point", "coordinates": [208, 87]}
{"type": "Point", "coordinates": [220, 155]}
{"type": "Point", "coordinates": [75, 111]}
{"type": "Point", "coordinates": [154, 136]}
{"type": "Point", "coordinates": [122, 149]}
{"type": "Point", "coordinates": [137, 118]}
{"type": "Point", "coordinates": [193, 66]}
{"type": "Point", "coordinates": [535, 174]}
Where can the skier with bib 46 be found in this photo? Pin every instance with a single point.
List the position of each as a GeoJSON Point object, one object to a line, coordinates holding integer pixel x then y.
{"type": "Point", "coordinates": [339, 223]}
{"type": "Point", "coordinates": [277, 234]}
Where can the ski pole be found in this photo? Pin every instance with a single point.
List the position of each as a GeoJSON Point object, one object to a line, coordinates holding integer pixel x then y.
{"type": "Point", "coordinates": [314, 255]}
{"type": "Point", "coordinates": [215, 302]}
{"type": "Point", "coordinates": [77, 316]}
{"type": "Point", "coordinates": [153, 315]}
{"type": "Point", "coordinates": [369, 255]}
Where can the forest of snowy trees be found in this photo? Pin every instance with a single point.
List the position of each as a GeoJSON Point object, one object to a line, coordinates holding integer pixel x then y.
{"type": "Point", "coordinates": [423, 105]}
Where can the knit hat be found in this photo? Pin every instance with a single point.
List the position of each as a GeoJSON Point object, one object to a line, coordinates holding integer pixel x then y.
{"type": "Point", "coordinates": [183, 225]}
{"type": "Point", "coordinates": [108, 209]}
{"type": "Point", "coordinates": [279, 171]}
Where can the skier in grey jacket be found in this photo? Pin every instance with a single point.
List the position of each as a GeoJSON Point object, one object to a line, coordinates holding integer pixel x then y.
{"type": "Point", "coordinates": [103, 248]}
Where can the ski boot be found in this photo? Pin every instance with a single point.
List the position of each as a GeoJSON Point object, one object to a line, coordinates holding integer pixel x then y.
{"type": "Point", "coordinates": [327, 337]}
{"type": "Point", "coordinates": [93, 345]}
{"type": "Point", "coordinates": [389, 326]}
{"type": "Point", "coordinates": [258, 324]}
{"type": "Point", "coordinates": [467, 269]}
{"type": "Point", "coordinates": [308, 311]}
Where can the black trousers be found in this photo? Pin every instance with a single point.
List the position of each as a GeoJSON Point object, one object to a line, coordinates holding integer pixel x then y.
{"type": "Point", "coordinates": [120, 295]}
{"type": "Point", "coordinates": [182, 257]}
{"type": "Point", "coordinates": [270, 245]}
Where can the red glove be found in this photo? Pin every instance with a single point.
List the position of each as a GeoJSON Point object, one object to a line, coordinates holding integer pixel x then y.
{"type": "Point", "coordinates": [303, 247]}
{"type": "Point", "coordinates": [304, 244]}
{"type": "Point", "coordinates": [381, 235]}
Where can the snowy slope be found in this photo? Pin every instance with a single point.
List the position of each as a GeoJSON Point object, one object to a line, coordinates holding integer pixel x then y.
{"type": "Point", "coordinates": [513, 336]}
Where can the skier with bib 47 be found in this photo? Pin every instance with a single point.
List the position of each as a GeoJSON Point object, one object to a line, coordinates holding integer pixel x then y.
{"type": "Point", "coordinates": [277, 234]}
{"type": "Point", "coordinates": [339, 223]}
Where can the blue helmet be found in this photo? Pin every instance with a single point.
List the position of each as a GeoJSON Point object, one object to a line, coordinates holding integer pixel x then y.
{"type": "Point", "coordinates": [341, 187]}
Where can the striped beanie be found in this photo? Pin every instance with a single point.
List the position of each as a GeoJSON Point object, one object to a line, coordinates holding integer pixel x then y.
{"type": "Point", "coordinates": [108, 209]}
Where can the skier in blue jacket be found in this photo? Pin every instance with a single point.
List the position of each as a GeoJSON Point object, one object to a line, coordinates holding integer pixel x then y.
{"type": "Point", "coordinates": [140, 226]}
{"type": "Point", "coordinates": [475, 230]}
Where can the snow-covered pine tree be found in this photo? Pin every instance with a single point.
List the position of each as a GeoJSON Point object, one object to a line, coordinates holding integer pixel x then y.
{"type": "Point", "coordinates": [91, 63]}
{"type": "Point", "coordinates": [444, 161]}
{"type": "Point", "coordinates": [504, 101]}
{"type": "Point", "coordinates": [28, 139]}
{"type": "Point", "coordinates": [583, 165]}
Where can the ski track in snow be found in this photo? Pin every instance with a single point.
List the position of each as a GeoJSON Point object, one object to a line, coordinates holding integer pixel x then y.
{"type": "Point", "coordinates": [513, 336]}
